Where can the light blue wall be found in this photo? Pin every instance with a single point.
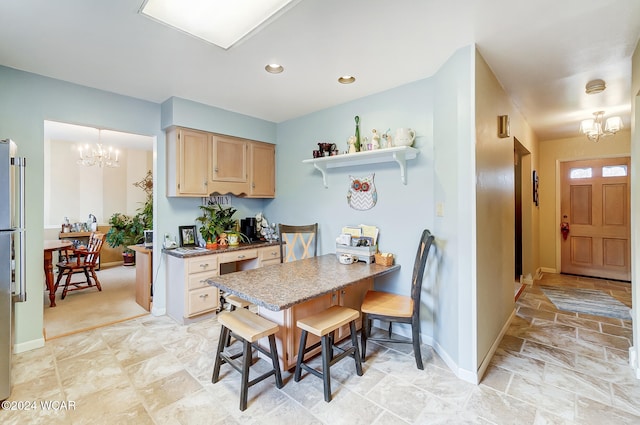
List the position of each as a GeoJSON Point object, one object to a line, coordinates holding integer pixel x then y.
{"type": "Point", "coordinates": [27, 100]}
{"type": "Point", "coordinates": [186, 113]}
{"type": "Point", "coordinates": [402, 211]}
{"type": "Point", "coordinates": [454, 180]}
{"type": "Point", "coordinates": [440, 110]}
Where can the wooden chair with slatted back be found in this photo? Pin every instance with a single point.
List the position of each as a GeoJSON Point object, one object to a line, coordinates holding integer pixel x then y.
{"type": "Point", "coordinates": [297, 242]}
{"type": "Point", "coordinates": [86, 261]}
{"type": "Point", "coordinates": [398, 308]}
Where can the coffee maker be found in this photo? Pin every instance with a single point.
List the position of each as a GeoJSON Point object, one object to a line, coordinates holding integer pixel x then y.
{"type": "Point", "coordinates": [248, 228]}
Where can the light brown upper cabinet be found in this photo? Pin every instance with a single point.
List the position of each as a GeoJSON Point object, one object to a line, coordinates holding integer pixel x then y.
{"type": "Point", "coordinates": [187, 162]}
{"type": "Point", "coordinates": [229, 165]}
{"type": "Point", "coordinates": [262, 171]}
{"type": "Point", "coordinates": [201, 163]}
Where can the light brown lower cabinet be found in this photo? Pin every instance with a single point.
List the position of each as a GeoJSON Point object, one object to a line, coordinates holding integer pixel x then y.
{"type": "Point", "coordinates": [288, 336]}
{"type": "Point", "coordinates": [189, 297]}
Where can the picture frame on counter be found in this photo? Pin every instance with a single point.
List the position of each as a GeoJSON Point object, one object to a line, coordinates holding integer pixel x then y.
{"type": "Point", "coordinates": [187, 236]}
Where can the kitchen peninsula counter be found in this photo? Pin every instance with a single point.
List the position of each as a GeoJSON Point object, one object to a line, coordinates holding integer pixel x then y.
{"type": "Point", "coordinates": [287, 292]}
{"type": "Point", "coordinates": [284, 285]}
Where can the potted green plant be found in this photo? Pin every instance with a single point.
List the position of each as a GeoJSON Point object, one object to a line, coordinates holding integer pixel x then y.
{"type": "Point", "coordinates": [210, 226]}
{"type": "Point", "coordinates": [129, 230]}
{"type": "Point", "coordinates": [216, 223]}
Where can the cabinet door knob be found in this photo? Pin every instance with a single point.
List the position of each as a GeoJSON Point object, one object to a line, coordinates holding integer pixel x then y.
{"type": "Point", "coordinates": [215, 169]}
{"type": "Point", "coordinates": [241, 256]}
{"type": "Point", "coordinates": [203, 296]}
{"type": "Point", "coordinates": [205, 265]}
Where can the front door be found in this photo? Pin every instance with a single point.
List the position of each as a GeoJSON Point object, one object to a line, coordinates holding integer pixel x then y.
{"type": "Point", "coordinates": [595, 203]}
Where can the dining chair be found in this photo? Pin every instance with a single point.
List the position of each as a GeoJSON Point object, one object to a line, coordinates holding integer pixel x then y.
{"type": "Point", "coordinates": [86, 261]}
{"type": "Point", "coordinates": [396, 308]}
{"type": "Point", "coordinates": [297, 242]}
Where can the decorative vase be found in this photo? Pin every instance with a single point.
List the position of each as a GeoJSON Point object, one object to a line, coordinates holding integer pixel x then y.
{"type": "Point", "coordinates": [234, 240]}
{"type": "Point", "coordinates": [357, 144]}
{"type": "Point", "coordinates": [211, 245]}
{"type": "Point", "coordinates": [129, 258]}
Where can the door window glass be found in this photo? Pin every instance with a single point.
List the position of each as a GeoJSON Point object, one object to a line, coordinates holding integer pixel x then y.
{"type": "Point", "coordinates": [581, 173]}
{"type": "Point", "coordinates": [614, 171]}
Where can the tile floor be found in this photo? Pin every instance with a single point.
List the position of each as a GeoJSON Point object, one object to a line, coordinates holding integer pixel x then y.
{"type": "Point", "coordinates": [552, 367]}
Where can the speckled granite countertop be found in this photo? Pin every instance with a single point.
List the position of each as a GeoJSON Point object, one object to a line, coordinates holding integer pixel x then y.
{"type": "Point", "coordinates": [196, 252]}
{"type": "Point", "coordinates": [281, 286]}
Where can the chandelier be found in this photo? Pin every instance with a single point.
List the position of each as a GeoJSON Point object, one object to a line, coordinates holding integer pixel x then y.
{"type": "Point", "coordinates": [594, 129]}
{"type": "Point", "coordinates": [98, 155]}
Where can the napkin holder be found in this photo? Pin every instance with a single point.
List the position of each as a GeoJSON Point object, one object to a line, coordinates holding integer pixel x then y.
{"type": "Point", "coordinates": [362, 253]}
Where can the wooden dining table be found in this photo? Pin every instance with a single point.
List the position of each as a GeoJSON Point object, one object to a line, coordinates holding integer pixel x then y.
{"type": "Point", "coordinates": [51, 245]}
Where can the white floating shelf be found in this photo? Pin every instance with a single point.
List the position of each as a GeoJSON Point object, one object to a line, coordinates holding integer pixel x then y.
{"type": "Point", "coordinates": [399, 154]}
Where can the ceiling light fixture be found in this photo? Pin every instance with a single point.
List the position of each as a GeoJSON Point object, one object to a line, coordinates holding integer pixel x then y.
{"type": "Point", "coordinates": [347, 79]}
{"type": "Point", "coordinates": [593, 129]}
{"type": "Point", "coordinates": [595, 87]}
{"type": "Point", "coordinates": [220, 22]}
{"type": "Point", "coordinates": [98, 155]}
{"type": "Point", "coordinates": [274, 68]}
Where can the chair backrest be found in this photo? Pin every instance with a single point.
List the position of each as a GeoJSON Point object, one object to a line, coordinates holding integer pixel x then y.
{"type": "Point", "coordinates": [426, 240]}
{"type": "Point", "coordinates": [297, 242]}
{"type": "Point", "coordinates": [96, 240]}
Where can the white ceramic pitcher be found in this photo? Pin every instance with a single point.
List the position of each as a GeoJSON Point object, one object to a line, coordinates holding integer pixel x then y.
{"type": "Point", "coordinates": [404, 137]}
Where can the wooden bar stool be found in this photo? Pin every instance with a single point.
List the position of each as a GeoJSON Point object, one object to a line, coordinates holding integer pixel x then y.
{"type": "Point", "coordinates": [248, 328]}
{"type": "Point", "coordinates": [324, 325]}
{"type": "Point", "coordinates": [234, 302]}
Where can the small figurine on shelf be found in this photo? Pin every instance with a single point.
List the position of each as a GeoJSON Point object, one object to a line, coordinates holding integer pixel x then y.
{"type": "Point", "coordinates": [375, 140]}
{"type": "Point", "coordinates": [357, 144]}
{"type": "Point", "coordinates": [352, 144]}
{"type": "Point", "coordinates": [387, 137]}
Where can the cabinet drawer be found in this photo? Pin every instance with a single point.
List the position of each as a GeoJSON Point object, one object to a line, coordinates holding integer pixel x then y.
{"type": "Point", "coordinates": [199, 280]}
{"type": "Point", "coordinates": [201, 300]}
{"type": "Point", "coordinates": [264, 263]}
{"type": "Point", "coordinates": [270, 253]}
{"type": "Point", "coordinates": [202, 264]}
{"type": "Point", "coordinates": [244, 254]}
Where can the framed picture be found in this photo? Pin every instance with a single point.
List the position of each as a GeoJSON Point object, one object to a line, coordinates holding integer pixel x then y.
{"type": "Point", "coordinates": [187, 235]}
{"type": "Point", "coordinates": [536, 200]}
{"type": "Point", "coordinates": [148, 238]}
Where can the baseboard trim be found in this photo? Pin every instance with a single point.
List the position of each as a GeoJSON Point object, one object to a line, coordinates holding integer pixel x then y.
{"type": "Point", "coordinates": [633, 361]}
{"type": "Point", "coordinates": [28, 345]}
{"type": "Point", "coordinates": [487, 359]}
{"type": "Point", "coordinates": [464, 374]}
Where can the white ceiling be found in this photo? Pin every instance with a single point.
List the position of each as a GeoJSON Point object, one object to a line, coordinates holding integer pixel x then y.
{"type": "Point", "coordinates": [542, 51]}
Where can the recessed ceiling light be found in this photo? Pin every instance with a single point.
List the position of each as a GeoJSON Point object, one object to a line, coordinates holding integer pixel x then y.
{"type": "Point", "coordinates": [221, 22]}
{"type": "Point", "coordinates": [347, 79]}
{"type": "Point", "coordinates": [274, 68]}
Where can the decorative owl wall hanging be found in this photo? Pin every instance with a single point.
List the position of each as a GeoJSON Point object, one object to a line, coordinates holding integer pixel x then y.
{"type": "Point", "coordinates": [362, 193]}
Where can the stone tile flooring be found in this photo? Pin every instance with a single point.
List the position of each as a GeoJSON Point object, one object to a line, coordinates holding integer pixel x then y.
{"type": "Point", "coordinates": [552, 367]}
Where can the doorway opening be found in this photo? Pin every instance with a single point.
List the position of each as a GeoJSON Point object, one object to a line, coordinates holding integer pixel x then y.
{"type": "Point", "coordinates": [76, 193]}
{"type": "Point", "coordinates": [522, 215]}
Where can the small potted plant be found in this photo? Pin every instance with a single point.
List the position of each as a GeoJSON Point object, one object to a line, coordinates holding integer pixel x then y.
{"type": "Point", "coordinates": [217, 221]}
{"type": "Point", "coordinates": [210, 226]}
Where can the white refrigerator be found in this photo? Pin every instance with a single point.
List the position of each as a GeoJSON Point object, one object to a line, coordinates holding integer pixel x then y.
{"type": "Point", "coordinates": [12, 253]}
